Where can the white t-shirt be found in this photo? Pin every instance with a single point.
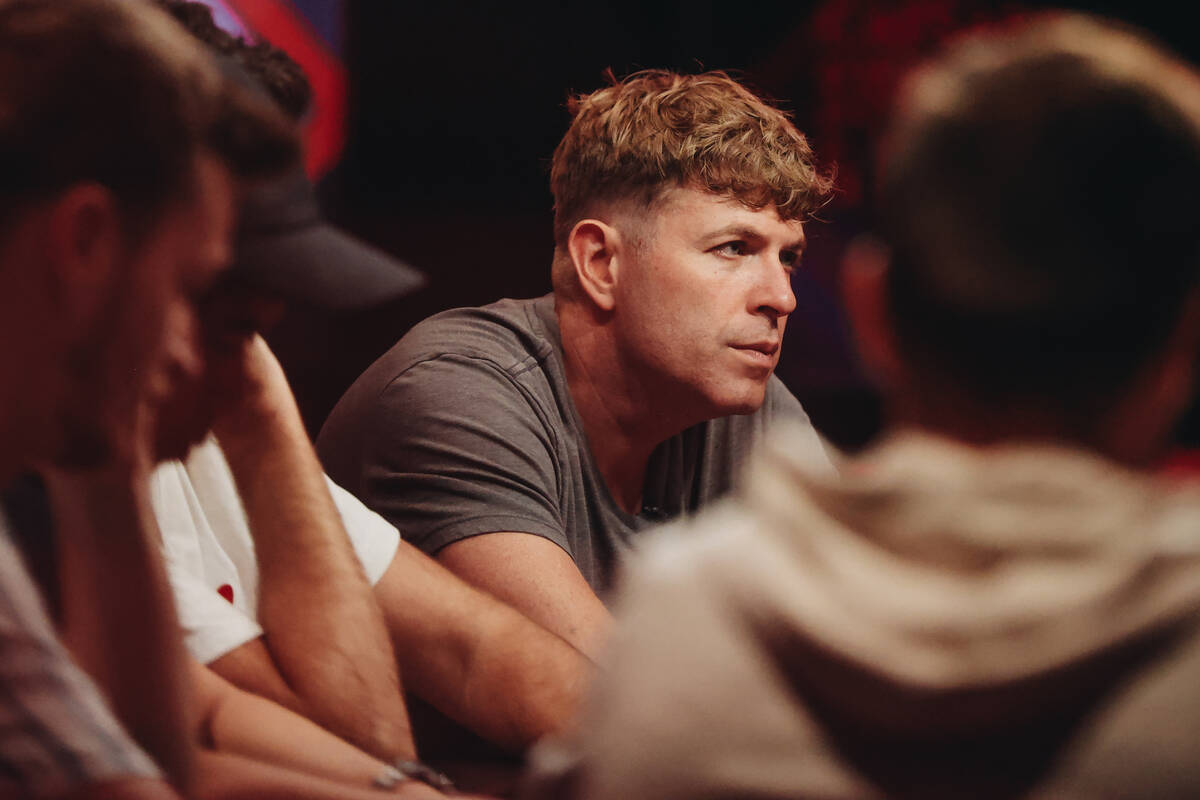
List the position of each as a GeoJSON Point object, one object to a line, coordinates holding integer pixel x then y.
{"type": "Point", "coordinates": [210, 554]}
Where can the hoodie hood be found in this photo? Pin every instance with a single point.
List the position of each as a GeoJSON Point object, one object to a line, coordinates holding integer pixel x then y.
{"type": "Point", "coordinates": [936, 589]}
{"type": "Point", "coordinates": [939, 622]}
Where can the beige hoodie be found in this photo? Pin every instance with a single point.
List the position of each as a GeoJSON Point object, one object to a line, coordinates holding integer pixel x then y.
{"type": "Point", "coordinates": [940, 621]}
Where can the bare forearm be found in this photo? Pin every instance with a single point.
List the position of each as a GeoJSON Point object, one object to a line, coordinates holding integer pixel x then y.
{"type": "Point", "coordinates": [121, 789]}
{"type": "Point", "coordinates": [223, 776]}
{"type": "Point", "coordinates": [524, 679]}
{"type": "Point", "coordinates": [245, 724]}
{"type": "Point", "coordinates": [118, 615]}
{"type": "Point", "coordinates": [322, 623]}
{"type": "Point", "coordinates": [475, 659]}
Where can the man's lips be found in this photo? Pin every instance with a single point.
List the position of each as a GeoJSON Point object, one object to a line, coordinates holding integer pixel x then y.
{"type": "Point", "coordinates": [767, 347]}
{"type": "Point", "coordinates": [759, 352]}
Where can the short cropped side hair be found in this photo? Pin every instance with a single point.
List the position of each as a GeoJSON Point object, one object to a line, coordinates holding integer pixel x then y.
{"type": "Point", "coordinates": [115, 92]}
{"type": "Point", "coordinates": [657, 130]}
{"type": "Point", "coordinates": [1040, 201]}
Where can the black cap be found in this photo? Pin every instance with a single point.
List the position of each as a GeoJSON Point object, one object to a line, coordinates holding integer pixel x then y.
{"type": "Point", "coordinates": [284, 246]}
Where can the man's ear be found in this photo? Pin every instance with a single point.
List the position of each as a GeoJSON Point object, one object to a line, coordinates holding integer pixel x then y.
{"type": "Point", "coordinates": [864, 293]}
{"type": "Point", "coordinates": [84, 241]}
{"type": "Point", "coordinates": [594, 249]}
{"type": "Point", "coordinates": [1159, 394]}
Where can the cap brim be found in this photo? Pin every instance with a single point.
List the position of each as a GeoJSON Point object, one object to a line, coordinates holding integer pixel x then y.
{"type": "Point", "coordinates": [323, 267]}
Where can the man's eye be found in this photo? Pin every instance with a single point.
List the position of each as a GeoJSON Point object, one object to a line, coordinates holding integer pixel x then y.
{"type": "Point", "coordinates": [736, 248]}
{"type": "Point", "coordinates": [790, 259]}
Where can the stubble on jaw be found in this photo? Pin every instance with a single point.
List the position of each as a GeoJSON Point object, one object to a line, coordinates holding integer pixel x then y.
{"type": "Point", "coordinates": [101, 398]}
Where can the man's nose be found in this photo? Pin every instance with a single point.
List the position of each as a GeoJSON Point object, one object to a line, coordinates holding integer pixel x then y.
{"type": "Point", "coordinates": [773, 291]}
{"type": "Point", "coordinates": [183, 353]}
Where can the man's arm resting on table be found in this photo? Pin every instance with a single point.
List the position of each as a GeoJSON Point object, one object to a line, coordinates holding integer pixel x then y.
{"type": "Point", "coordinates": [322, 625]}
{"type": "Point", "coordinates": [121, 789]}
{"type": "Point", "coordinates": [236, 722]}
{"type": "Point", "coordinates": [538, 578]}
{"type": "Point", "coordinates": [479, 661]}
{"type": "Point", "coordinates": [225, 776]}
{"type": "Point", "coordinates": [252, 668]}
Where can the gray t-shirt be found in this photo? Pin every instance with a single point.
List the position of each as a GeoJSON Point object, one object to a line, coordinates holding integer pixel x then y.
{"type": "Point", "coordinates": [467, 426]}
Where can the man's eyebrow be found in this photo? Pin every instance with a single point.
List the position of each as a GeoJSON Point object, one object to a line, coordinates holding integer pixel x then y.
{"type": "Point", "coordinates": [739, 230]}
{"type": "Point", "coordinates": [736, 230]}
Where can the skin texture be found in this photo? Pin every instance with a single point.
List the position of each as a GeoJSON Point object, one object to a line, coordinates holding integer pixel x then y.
{"type": "Point", "coordinates": [700, 302]}
{"type": "Point", "coordinates": [274, 751]}
{"type": "Point", "coordinates": [477, 660]}
{"type": "Point", "coordinates": [680, 319]}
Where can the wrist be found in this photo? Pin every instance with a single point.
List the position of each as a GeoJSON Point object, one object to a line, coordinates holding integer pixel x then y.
{"type": "Point", "coordinates": [254, 426]}
{"type": "Point", "coordinates": [248, 411]}
{"type": "Point", "coordinates": [402, 771]}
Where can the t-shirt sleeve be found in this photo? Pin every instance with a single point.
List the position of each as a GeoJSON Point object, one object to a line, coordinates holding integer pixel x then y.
{"type": "Point", "coordinates": [461, 448]}
{"type": "Point", "coordinates": [374, 538]}
{"type": "Point", "coordinates": [56, 732]}
{"type": "Point", "coordinates": [212, 625]}
{"type": "Point", "coordinates": [781, 410]}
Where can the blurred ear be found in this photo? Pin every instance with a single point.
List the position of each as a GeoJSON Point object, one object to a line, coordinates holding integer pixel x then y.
{"type": "Point", "coordinates": [1160, 394]}
{"type": "Point", "coordinates": [84, 244]}
{"type": "Point", "coordinates": [594, 248]}
{"type": "Point", "coordinates": [864, 293]}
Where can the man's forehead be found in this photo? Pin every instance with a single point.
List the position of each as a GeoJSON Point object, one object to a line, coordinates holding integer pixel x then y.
{"type": "Point", "coordinates": [717, 211]}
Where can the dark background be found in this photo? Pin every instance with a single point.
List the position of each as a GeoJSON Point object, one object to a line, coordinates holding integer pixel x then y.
{"type": "Point", "coordinates": [455, 109]}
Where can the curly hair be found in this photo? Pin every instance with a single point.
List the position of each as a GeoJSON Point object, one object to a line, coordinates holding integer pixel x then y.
{"type": "Point", "coordinates": [657, 130]}
{"type": "Point", "coordinates": [274, 69]}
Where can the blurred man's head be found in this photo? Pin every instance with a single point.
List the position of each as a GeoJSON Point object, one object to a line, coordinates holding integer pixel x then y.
{"type": "Point", "coordinates": [283, 248]}
{"type": "Point", "coordinates": [118, 141]}
{"type": "Point", "coordinates": [1040, 196]}
{"type": "Point", "coordinates": [679, 209]}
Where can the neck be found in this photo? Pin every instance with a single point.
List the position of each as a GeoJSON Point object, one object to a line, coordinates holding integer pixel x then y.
{"type": "Point", "coordinates": [618, 410]}
{"type": "Point", "coordinates": [1115, 435]}
{"type": "Point", "coordinates": [28, 371]}
{"type": "Point", "coordinates": [14, 437]}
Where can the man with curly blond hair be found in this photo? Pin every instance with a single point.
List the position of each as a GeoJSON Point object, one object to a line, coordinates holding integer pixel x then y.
{"type": "Point", "coordinates": [528, 443]}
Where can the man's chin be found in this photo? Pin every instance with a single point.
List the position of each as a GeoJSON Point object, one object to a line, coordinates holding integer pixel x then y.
{"type": "Point", "coordinates": [75, 457]}
{"type": "Point", "coordinates": [741, 403]}
{"type": "Point", "coordinates": [82, 447]}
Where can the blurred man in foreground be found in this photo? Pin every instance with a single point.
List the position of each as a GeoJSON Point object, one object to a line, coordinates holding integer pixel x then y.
{"type": "Point", "coordinates": [999, 599]}
{"type": "Point", "coordinates": [119, 142]}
